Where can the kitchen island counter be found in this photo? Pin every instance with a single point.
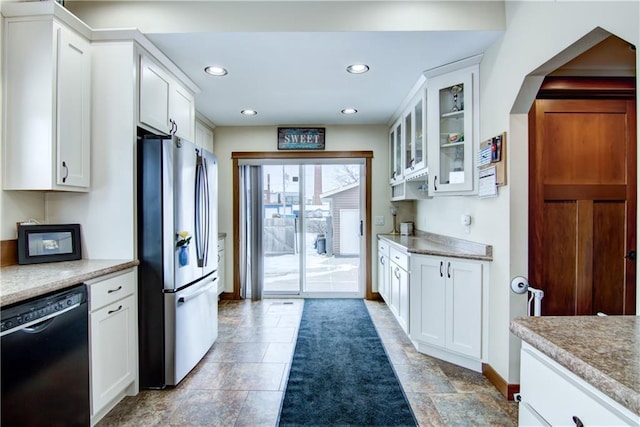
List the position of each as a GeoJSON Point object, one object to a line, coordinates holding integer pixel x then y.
{"type": "Point", "coordinates": [603, 351]}
{"type": "Point", "coordinates": [21, 282]}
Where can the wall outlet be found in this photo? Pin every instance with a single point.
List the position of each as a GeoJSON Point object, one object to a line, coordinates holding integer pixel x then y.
{"type": "Point", "coordinates": [379, 220]}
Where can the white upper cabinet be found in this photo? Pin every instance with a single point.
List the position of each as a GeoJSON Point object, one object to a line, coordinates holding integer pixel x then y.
{"type": "Point", "coordinates": [204, 136]}
{"type": "Point", "coordinates": [415, 119]}
{"type": "Point", "coordinates": [47, 84]}
{"type": "Point", "coordinates": [396, 151]}
{"type": "Point", "coordinates": [452, 105]}
{"type": "Point", "coordinates": [165, 105]}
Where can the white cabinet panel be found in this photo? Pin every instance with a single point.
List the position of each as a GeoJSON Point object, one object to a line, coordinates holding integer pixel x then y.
{"type": "Point", "coordinates": [113, 351]}
{"type": "Point", "coordinates": [204, 136]}
{"type": "Point", "coordinates": [464, 303]}
{"type": "Point", "coordinates": [383, 270]}
{"type": "Point", "coordinates": [559, 397]}
{"type": "Point", "coordinates": [182, 112]}
{"type": "Point", "coordinates": [221, 273]}
{"type": "Point", "coordinates": [452, 117]}
{"type": "Point", "coordinates": [427, 300]}
{"type": "Point", "coordinates": [113, 340]}
{"type": "Point", "coordinates": [165, 104]}
{"type": "Point", "coordinates": [47, 85]}
{"type": "Point", "coordinates": [399, 287]}
{"type": "Point", "coordinates": [154, 95]}
{"type": "Point", "coordinates": [447, 307]}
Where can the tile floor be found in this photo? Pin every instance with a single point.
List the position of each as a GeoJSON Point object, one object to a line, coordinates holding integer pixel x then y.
{"type": "Point", "coordinates": [242, 379]}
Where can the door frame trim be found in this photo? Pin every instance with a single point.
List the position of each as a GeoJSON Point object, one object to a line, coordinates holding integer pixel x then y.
{"type": "Point", "coordinates": [236, 156]}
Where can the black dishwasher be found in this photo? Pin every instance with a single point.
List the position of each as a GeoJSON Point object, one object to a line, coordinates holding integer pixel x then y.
{"type": "Point", "coordinates": [45, 360]}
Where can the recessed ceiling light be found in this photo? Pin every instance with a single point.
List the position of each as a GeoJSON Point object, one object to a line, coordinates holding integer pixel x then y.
{"type": "Point", "coordinates": [358, 68]}
{"type": "Point", "coordinates": [249, 112]}
{"type": "Point", "coordinates": [348, 111]}
{"type": "Point", "coordinates": [215, 70]}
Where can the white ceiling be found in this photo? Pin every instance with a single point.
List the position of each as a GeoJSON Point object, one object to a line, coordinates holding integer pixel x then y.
{"type": "Point", "coordinates": [300, 78]}
{"type": "Point", "coordinates": [287, 59]}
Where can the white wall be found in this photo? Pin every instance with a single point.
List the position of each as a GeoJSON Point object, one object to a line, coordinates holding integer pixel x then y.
{"type": "Point", "coordinates": [536, 32]}
{"type": "Point", "coordinates": [107, 212]}
{"type": "Point", "coordinates": [16, 206]}
{"type": "Point", "coordinates": [264, 138]}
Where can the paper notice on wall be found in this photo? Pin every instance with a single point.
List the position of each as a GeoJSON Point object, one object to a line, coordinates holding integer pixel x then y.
{"type": "Point", "coordinates": [487, 183]}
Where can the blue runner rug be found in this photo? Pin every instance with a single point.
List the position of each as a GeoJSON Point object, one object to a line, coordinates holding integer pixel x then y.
{"type": "Point", "coordinates": [340, 374]}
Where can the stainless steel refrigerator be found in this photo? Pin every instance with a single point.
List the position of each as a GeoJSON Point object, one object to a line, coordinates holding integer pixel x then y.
{"type": "Point", "coordinates": [177, 249]}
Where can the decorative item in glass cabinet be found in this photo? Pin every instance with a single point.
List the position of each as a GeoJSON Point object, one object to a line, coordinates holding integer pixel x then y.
{"type": "Point", "coordinates": [455, 90]}
{"type": "Point", "coordinates": [394, 211]}
{"type": "Point", "coordinates": [458, 163]}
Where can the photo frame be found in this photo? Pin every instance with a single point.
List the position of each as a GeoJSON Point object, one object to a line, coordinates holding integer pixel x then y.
{"type": "Point", "coordinates": [48, 243]}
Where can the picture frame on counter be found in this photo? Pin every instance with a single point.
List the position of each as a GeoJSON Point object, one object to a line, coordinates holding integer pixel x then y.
{"type": "Point", "coordinates": [40, 243]}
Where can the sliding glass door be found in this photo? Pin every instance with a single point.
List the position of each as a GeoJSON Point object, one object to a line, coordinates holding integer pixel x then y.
{"type": "Point", "coordinates": [312, 229]}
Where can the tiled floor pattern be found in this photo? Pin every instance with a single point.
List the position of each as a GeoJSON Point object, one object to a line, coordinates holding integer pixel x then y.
{"type": "Point", "coordinates": [242, 379]}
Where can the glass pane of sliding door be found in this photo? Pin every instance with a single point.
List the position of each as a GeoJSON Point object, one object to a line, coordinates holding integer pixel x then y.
{"type": "Point", "coordinates": [281, 238]}
{"type": "Point", "coordinates": [312, 230]}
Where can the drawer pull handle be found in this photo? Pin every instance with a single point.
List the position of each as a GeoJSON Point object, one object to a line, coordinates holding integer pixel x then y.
{"type": "Point", "coordinates": [577, 421]}
{"type": "Point", "coordinates": [116, 310]}
{"type": "Point", "coordinates": [449, 270]}
{"type": "Point", "coordinates": [441, 264]}
{"type": "Point", "coordinates": [397, 273]}
{"type": "Point", "coordinates": [382, 260]}
{"type": "Point", "coordinates": [110, 291]}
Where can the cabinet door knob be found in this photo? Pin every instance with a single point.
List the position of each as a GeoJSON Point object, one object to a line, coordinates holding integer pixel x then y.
{"type": "Point", "coordinates": [577, 421]}
{"type": "Point", "coordinates": [66, 171]}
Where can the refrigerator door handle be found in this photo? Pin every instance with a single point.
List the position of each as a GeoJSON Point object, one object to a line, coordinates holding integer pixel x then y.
{"type": "Point", "coordinates": [207, 207]}
{"type": "Point", "coordinates": [198, 209]}
{"type": "Point", "coordinates": [207, 288]}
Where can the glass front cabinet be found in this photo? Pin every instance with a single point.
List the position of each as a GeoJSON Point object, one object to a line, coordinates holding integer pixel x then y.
{"type": "Point", "coordinates": [395, 153]}
{"type": "Point", "coordinates": [452, 108]}
{"type": "Point", "coordinates": [415, 156]}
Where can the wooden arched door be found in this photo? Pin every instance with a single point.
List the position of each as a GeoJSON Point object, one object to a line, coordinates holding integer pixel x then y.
{"type": "Point", "coordinates": [582, 196]}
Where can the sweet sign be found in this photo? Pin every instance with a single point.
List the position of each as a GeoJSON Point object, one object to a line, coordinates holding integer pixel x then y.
{"type": "Point", "coordinates": [301, 138]}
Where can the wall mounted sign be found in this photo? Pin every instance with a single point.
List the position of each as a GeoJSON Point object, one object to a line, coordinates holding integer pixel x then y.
{"type": "Point", "coordinates": [301, 138]}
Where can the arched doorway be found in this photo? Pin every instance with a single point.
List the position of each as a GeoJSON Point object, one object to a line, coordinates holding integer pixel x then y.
{"type": "Point", "coordinates": [582, 184]}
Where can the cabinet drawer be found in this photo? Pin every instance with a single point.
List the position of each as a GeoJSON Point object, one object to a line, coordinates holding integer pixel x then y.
{"type": "Point", "coordinates": [400, 258]}
{"type": "Point", "coordinates": [558, 395]}
{"type": "Point", "coordinates": [383, 248]}
{"type": "Point", "coordinates": [113, 288]}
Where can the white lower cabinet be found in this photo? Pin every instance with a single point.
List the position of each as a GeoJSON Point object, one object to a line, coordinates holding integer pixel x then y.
{"type": "Point", "coordinates": [447, 296]}
{"type": "Point", "coordinates": [221, 278]}
{"type": "Point", "coordinates": [553, 395]}
{"type": "Point", "coordinates": [113, 340]}
{"type": "Point", "coordinates": [399, 286]}
{"type": "Point", "coordinates": [383, 270]}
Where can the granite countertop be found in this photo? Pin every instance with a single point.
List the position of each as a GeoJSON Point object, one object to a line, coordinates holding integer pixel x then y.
{"type": "Point", "coordinates": [603, 351]}
{"type": "Point", "coordinates": [423, 243]}
{"type": "Point", "coordinates": [20, 282]}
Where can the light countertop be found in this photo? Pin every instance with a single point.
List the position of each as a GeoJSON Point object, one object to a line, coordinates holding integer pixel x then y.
{"type": "Point", "coordinates": [20, 282]}
{"type": "Point", "coordinates": [423, 243]}
{"type": "Point", "coordinates": [603, 351]}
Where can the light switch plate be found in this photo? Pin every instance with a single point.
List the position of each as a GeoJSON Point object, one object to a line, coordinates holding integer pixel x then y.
{"type": "Point", "coordinates": [379, 220]}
